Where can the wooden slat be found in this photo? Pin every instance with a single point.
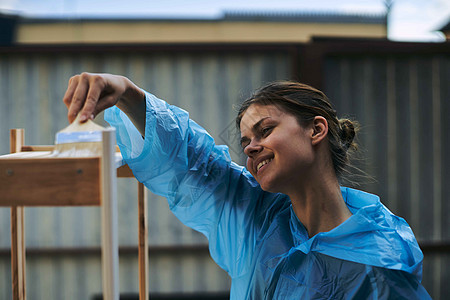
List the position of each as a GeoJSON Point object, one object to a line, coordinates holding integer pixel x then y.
{"type": "Point", "coordinates": [30, 154]}
{"type": "Point", "coordinates": [18, 269]}
{"type": "Point", "coordinates": [18, 253]}
{"type": "Point", "coordinates": [143, 242]}
{"type": "Point", "coordinates": [16, 140]}
{"type": "Point", "coordinates": [50, 181]}
{"type": "Point", "coordinates": [28, 148]}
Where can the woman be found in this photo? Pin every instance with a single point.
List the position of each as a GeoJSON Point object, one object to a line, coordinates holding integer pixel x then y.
{"type": "Point", "coordinates": [282, 228]}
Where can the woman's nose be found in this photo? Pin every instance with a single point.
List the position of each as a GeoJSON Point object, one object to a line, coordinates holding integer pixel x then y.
{"type": "Point", "coordinates": [252, 149]}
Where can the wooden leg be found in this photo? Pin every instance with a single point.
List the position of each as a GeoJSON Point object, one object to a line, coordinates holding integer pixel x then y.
{"type": "Point", "coordinates": [143, 242]}
{"type": "Point", "coordinates": [16, 141]}
{"type": "Point", "coordinates": [110, 246]}
{"type": "Point", "coordinates": [18, 253]}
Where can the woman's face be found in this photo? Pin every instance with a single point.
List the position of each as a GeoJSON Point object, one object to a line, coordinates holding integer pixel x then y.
{"type": "Point", "coordinates": [279, 150]}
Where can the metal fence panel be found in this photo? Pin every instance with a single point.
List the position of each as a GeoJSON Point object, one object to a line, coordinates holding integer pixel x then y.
{"type": "Point", "coordinates": [402, 103]}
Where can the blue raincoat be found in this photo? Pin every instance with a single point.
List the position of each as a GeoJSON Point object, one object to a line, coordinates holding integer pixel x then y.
{"type": "Point", "coordinates": [255, 235]}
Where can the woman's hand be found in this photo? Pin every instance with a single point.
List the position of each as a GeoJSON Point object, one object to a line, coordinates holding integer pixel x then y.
{"type": "Point", "coordinates": [89, 94]}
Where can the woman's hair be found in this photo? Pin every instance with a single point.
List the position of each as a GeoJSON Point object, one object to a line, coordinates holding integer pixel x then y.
{"type": "Point", "coordinates": [305, 102]}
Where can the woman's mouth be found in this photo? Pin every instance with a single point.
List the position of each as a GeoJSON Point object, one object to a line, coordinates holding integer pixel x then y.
{"type": "Point", "coordinates": [263, 163]}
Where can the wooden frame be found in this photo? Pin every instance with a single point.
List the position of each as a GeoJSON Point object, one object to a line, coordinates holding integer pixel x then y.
{"type": "Point", "coordinates": [29, 177]}
{"type": "Point", "coordinates": [17, 231]}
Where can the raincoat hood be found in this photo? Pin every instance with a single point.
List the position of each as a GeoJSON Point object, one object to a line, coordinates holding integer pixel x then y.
{"type": "Point", "coordinates": [372, 236]}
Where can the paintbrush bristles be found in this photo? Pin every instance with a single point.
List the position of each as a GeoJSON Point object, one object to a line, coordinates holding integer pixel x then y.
{"type": "Point", "coordinates": [76, 126]}
{"type": "Point", "coordinates": [79, 140]}
{"type": "Point", "coordinates": [82, 149]}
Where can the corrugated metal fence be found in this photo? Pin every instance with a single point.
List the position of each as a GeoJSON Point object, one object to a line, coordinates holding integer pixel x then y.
{"type": "Point", "coordinates": [401, 101]}
{"type": "Point", "coordinates": [400, 94]}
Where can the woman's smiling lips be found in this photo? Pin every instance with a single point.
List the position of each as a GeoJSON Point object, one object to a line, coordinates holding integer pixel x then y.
{"type": "Point", "coordinates": [259, 166]}
{"type": "Point", "coordinates": [261, 162]}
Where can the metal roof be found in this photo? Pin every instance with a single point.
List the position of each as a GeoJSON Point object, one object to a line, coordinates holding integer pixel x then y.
{"type": "Point", "coordinates": [305, 16]}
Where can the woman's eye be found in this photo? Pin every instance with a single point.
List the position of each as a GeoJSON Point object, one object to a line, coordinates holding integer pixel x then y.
{"type": "Point", "coordinates": [266, 131]}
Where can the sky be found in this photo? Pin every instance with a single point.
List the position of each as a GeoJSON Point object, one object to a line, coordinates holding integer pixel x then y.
{"type": "Point", "coordinates": [410, 20]}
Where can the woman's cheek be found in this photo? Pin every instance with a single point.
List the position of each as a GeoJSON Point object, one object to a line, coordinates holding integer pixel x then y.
{"type": "Point", "coordinates": [249, 165]}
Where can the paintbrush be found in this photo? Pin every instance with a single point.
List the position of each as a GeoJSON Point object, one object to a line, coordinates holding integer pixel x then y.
{"type": "Point", "coordinates": [79, 140]}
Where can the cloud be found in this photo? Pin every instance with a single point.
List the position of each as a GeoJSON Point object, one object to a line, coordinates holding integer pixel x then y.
{"type": "Point", "coordinates": [361, 7]}
{"type": "Point", "coordinates": [8, 4]}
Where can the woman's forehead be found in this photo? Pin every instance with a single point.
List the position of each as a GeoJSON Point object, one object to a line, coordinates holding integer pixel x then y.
{"type": "Point", "coordinates": [256, 112]}
{"type": "Point", "coordinates": [260, 110]}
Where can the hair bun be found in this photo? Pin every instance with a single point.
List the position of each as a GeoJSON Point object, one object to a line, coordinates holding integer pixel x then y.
{"type": "Point", "coordinates": [348, 132]}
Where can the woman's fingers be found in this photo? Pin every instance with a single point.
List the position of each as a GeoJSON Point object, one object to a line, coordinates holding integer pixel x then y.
{"type": "Point", "coordinates": [78, 98]}
{"type": "Point", "coordinates": [82, 95]}
{"type": "Point", "coordinates": [96, 88]}
{"type": "Point", "coordinates": [73, 82]}
{"type": "Point", "coordinates": [88, 94]}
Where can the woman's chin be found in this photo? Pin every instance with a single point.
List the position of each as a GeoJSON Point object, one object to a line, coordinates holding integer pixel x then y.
{"type": "Point", "coordinates": [268, 186]}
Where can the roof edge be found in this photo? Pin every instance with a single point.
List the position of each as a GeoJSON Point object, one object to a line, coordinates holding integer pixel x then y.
{"type": "Point", "coordinates": [229, 16]}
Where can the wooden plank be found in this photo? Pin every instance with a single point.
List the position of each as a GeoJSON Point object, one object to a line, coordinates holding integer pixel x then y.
{"type": "Point", "coordinates": [50, 181]}
{"type": "Point", "coordinates": [18, 269]}
{"type": "Point", "coordinates": [143, 242]}
{"type": "Point", "coordinates": [30, 154]}
{"type": "Point", "coordinates": [18, 253]}
{"type": "Point", "coordinates": [37, 148]}
{"type": "Point", "coordinates": [110, 244]}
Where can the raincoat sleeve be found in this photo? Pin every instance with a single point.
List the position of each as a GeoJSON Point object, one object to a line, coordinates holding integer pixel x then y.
{"type": "Point", "coordinates": [179, 160]}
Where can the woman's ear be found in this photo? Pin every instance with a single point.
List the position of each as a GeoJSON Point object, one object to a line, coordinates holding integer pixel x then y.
{"type": "Point", "coordinates": [320, 130]}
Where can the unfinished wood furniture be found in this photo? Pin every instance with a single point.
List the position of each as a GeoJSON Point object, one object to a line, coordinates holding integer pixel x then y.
{"type": "Point", "coordinates": [30, 176]}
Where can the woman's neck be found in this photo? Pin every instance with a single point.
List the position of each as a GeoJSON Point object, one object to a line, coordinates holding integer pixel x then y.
{"type": "Point", "coordinates": [319, 205]}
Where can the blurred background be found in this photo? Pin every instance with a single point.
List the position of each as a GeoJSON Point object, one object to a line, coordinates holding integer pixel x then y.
{"type": "Point", "coordinates": [384, 63]}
